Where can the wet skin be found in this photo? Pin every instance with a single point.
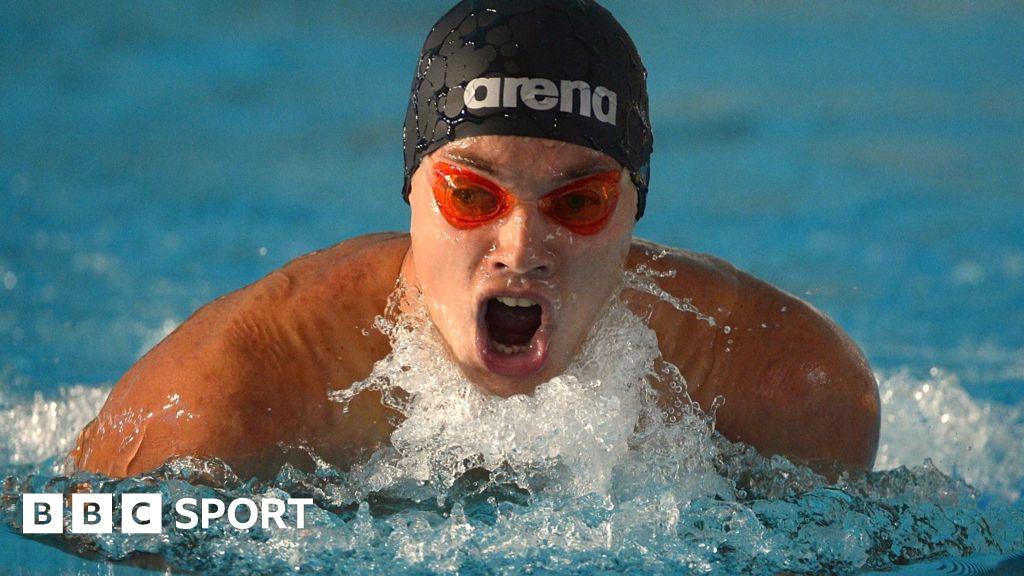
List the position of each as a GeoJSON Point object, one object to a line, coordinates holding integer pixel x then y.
{"type": "Point", "coordinates": [523, 255]}
{"type": "Point", "coordinates": [248, 375]}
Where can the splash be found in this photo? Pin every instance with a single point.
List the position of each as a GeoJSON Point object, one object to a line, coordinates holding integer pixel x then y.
{"type": "Point", "coordinates": [936, 418]}
{"type": "Point", "coordinates": [586, 475]}
{"type": "Point", "coordinates": [643, 280]}
{"type": "Point", "coordinates": [571, 433]}
{"type": "Point", "coordinates": [38, 430]}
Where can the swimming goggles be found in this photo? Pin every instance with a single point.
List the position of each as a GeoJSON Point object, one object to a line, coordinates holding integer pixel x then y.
{"type": "Point", "coordinates": [468, 200]}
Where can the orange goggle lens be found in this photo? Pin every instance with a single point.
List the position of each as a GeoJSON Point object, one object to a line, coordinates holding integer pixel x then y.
{"type": "Point", "coordinates": [468, 200]}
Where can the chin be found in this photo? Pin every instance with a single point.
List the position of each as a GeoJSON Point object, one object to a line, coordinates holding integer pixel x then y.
{"type": "Point", "coordinates": [503, 386]}
{"type": "Point", "coordinates": [502, 383]}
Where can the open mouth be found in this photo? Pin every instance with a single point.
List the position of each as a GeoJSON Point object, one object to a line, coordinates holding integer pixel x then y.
{"type": "Point", "coordinates": [514, 341]}
{"type": "Point", "coordinates": [511, 323]}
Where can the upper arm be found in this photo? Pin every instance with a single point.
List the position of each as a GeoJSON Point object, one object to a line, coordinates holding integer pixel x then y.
{"type": "Point", "coordinates": [251, 371]}
{"type": "Point", "coordinates": [794, 383]}
{"type": "Point", "coordinates": [197, 393]}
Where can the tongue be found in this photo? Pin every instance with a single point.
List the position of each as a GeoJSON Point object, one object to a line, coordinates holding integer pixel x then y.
{"type": "Point", "coordinates": [511, 325]}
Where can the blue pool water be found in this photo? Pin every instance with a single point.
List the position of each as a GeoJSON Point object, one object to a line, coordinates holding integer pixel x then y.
{"type": "Point", "coordinates": [868, 157]}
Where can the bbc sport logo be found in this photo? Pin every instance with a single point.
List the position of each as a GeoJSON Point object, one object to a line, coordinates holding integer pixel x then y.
{"type": "Point", "coordinates": [143, 513]}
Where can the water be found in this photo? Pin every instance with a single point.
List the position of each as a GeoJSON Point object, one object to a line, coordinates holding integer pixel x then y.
{"type": "Point", "coordinates": [867, 158]}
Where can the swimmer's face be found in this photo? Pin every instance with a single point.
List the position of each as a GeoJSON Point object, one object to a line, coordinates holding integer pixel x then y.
{"type": "Point", "coordinates": [512, 281]}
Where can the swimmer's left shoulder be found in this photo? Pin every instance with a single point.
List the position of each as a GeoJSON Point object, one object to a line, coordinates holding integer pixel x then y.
{"type": "Point", "coordinates": [793, 381]}
{"type": "Point", "coordinates": [700, 270]}
{"type": "Point", "coordinates": [802, 387]}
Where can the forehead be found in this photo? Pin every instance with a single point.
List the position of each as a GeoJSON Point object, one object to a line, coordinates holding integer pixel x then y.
{"type": "Point", "coordinates": [520, 158]}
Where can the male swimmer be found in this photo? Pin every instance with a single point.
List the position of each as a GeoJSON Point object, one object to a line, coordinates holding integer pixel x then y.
{"type": "Point", "coordinates": [527, 147]}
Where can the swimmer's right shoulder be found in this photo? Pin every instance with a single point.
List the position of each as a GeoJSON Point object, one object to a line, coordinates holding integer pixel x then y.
{"type": "Point", "coordinates": [371, 254]}
{"type": "Point", "coordinates": [380, 245]}
{"type": "Point", "coordinates": [254, 369]}
{"type": "Point", "coordinates": [361, 271]}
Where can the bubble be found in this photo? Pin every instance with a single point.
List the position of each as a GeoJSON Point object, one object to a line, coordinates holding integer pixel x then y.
{"type": "Point", "coordinates": [573, 431]}
{"type": "Point", "coordinates": [587, 475]}
{"type": "Point", "coordinates": [936, 418]}
{"type": "Point", "coordinates": [636, 281]}
{"type": "Point", "coordinates": [44, 427]}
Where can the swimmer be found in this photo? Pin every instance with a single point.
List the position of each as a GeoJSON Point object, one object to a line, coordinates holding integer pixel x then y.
{"type": "Point", "coordinates": [527, 148]}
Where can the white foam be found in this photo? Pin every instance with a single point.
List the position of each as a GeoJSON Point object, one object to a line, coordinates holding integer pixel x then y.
{"type": "Point", "coordinates": [612, 483]}
{"type": "Point", "coordinates": [936, 418]}
{"type": "Point", "coordinates": [574, 430]}
{"type": "Point", "coordinates": [42, 428]}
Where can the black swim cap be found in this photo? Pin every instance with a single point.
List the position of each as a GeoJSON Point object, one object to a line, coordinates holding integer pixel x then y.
{"type": "Point", "coordinates": [558, 69]}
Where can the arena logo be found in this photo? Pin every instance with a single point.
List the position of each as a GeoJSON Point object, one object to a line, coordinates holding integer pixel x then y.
{"type": "Point", "coordinates": [542, 94]}
{"type": "Point", "coordinates": [143, 513]}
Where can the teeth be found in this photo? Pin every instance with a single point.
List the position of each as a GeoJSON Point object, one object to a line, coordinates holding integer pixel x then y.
{"type": "Point", "coordinates": [516, 302]}
{"type": "Point", "coordinates": [513, 349]}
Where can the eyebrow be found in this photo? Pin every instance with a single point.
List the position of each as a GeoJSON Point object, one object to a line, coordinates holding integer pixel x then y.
{"type": "Point", "coordinates": [490, 169]}
{"type": "Point", "coordinates": [472, 161]}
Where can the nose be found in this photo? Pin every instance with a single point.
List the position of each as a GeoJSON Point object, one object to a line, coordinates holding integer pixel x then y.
{"type": "Point", "coordinates": [523, 243]}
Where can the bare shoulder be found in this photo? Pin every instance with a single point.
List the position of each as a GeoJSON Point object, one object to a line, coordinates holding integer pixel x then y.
{"type": "Point", "coordinates": [252, 370]}
{"type": "Point", "coordinates": [793, 382]}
